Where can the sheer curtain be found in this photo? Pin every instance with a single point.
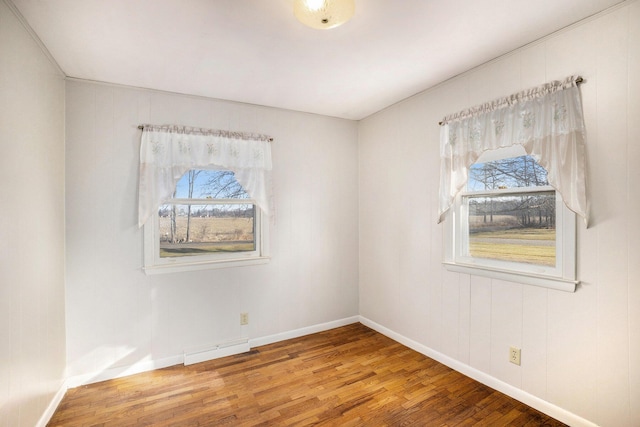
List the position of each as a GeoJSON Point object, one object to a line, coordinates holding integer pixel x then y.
{"type": "Point", "coordinates": [547, 121]}
{"type": "Point", "coordinates": [168, 152]}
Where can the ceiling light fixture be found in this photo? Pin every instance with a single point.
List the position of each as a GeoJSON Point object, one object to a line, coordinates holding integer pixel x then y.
{"type": "Point", "coordinates": [323, 14]}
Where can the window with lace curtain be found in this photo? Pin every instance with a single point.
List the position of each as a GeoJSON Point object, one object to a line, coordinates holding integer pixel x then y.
{"type": "Point", "coordinates": [204, 198]}
{"type": "Point", "coordinates": [512, 182]}
{"type": "Point", "coordinates": [209, 221]}
{"type": "Point", "coordinates": [509, 220]}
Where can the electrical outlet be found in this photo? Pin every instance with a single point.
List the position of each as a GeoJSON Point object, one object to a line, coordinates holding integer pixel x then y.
{"type": "Point", "coordinates": [244, 318]}
{"type": "Point", "coordinates": [514, 355]}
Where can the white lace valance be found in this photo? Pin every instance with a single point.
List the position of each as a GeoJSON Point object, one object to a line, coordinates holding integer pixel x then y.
{"type": "Point", "coordinates": [547, 121]}
{"type": "Point", "coordinates": [168, 152]}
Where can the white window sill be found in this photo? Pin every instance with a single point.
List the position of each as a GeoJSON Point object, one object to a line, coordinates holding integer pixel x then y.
{"type": "Point", "coordinates": [205, 265]}
{"type": "Point", "coordinates": [512, 276]}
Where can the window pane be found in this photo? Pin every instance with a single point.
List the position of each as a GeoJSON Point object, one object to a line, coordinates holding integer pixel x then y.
{"type": "Point", "coordinates": [187, 230]}
{"type": "Point", "coordinates": [209, 184]}
{"type": "Point", "coordinates": [513, 227]}
{"type": "Point", "coordinates": [512, 172]}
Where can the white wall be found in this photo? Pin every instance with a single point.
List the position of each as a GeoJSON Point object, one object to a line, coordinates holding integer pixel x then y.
{"type": "Point", "coordinates": [580, 351]}
{"type": "Point", "coordinates": [119, 317]}
{"type": "Point", "coordinates": [32, 341]}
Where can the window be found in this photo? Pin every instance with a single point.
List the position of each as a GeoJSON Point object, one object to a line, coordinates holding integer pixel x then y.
{"type": "Point", "coordinates": [209, 222]}
{"type": "Point", "coordinates": [509, 223]}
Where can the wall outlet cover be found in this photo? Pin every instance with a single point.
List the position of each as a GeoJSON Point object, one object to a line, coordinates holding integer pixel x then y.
{"type": "Point", "coordinates": [514, 355]}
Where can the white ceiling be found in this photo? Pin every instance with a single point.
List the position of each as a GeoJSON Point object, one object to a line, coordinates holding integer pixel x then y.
{"type": "Point", "coordinates": [255, 51]}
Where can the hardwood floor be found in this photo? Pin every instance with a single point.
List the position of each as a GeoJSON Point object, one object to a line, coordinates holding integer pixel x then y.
{"type": "Point", "coordinates": [349, 376]}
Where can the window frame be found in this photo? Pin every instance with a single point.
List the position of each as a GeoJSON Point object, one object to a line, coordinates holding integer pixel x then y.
{"type": "Point", "coordinates": [154, 264]}
{"type": "Point", "coordinates": [561, 277]}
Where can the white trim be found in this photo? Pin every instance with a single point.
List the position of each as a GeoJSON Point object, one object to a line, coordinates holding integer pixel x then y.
{"type": "Point", "coordinates": [53, 405]}
{"type": "Point", "coordinates": [154, 264]}
{"type": "Point", "coordinates": [206, 265]}
{"type": "Point", "coordinates": [528, 399]}
{"type": "Point", "coordinates": [35, 38]}
{"type": "Point", "coordinates": [230, 348]}
{"type": "Point", "coordinates": [509, 276]}
{"type": "Point", "coordinates": [296, 333]}
{"type": "Point", "coordinates": [514, 191]}
{"type": "Point", "coordinates": [123, 371]}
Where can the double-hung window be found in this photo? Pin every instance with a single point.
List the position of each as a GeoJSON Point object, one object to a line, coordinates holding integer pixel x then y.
{"type": "Point", "coordinates": [510, 223]}
{"type": "Point", "coordinates": [512, 179]}
{"type": "Point", "coordinates": [204, 198]}
{"type": "Point", "coordinates": [209, 222]}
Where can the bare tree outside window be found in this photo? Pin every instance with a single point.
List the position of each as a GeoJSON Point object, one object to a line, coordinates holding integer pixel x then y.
{"type": "Point", "coordinates": [191, 178]}
{"type": "Point", "coordinates": [506, 223]}
{"type": "Point", "coordinates": [222, 185]}
{"type": "Point", "coordinates": [205, 218]}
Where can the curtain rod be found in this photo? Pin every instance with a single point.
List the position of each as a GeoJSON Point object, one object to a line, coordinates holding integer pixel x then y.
{"type": "Point", "coordinates": [270, 139]}
{"type": "Point", "coordinates": [578, 81]}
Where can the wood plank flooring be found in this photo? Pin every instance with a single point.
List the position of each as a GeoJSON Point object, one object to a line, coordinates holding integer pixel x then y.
{"type": "Point", "coordinates": [349, 376]}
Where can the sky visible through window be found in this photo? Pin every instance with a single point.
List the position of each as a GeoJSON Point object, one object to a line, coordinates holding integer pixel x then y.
{"type": "Point", "coordinates": [210, 184]}
{"type": "Point", "coordinates": [512, 172]}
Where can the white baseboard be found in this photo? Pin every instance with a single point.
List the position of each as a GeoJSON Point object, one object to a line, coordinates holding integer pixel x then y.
{"type": "Point", "coordinates": [198, 355]}
{"type": "Point", "coordinates": [528, 399]}
{"type": "Point", "coordinates": [123, 371]}
{"type": "Point", "coordinates": [270, 339]}
{"type": "Point", "coordinates": [53, 405]}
